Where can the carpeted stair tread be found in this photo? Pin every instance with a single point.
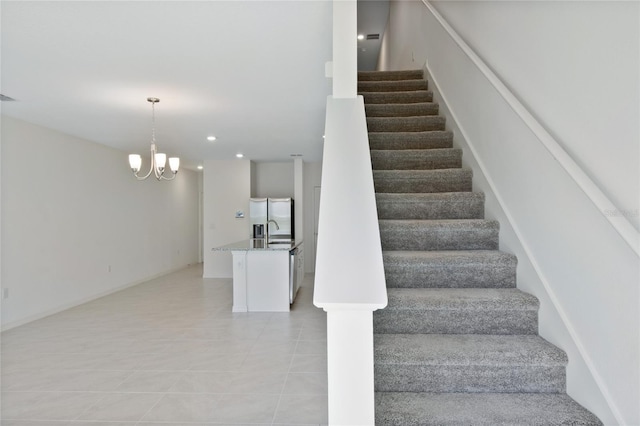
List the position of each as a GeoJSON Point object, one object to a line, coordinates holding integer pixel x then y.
{"type": "Point", "coordinates": [408, 181]}
{"type": "Point", "coordinates": [450, 269]}
{"type": "Point", "coordinates": [441, 234]}
{"type": "Point", "coordinates": [392, 86]}
{"type": "Point", "coordinates": [465, 349]}
{"type": "Point", "coordinates": [457, 311]}
{"type": "Point", "coordinates": [467, 363]}
{"type": "Point", "coordinates": [401, 110]}
{"type": "Point", "coordinates": [390, 75]}
{"type": "Point", "coordinates": [405, 124]}
{"type": "Point", "coordinates": [439, 205]}
{"type": "Point", "coordinates": [432, 139]}
{"type": "Point", "coordinates": [407, 97]}
{"type": "Point", "coordinates": [416, 159]}
{"type": "Point", "coordinates": [480, 409]}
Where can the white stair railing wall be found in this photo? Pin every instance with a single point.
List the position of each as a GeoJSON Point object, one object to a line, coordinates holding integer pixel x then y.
{"type": "Point", "coordinates": [349, 278]}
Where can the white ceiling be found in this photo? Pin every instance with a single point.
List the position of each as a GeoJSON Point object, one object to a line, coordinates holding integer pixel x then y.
{"type": "Point", "coordinates": [249, 72]}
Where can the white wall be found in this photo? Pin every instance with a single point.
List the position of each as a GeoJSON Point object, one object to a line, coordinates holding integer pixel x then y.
{"type": "Point", "coordinates": [549, 54]}
{"type": "Point", "coordinates": [312, 179]}
{"type": "Point", "coordinates": [77, 225]}
{"type": "Point", "coordinates": [298, 194]}
{"type": "Point", "coordinates": [227, 189]}
{"type": "Point", "coordinates": [274, 179]}
{"type": "Point", "coordinates": [576, 66]}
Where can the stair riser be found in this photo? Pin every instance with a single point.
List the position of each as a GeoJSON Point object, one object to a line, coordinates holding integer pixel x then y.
{"type": "Point", "coordinates": [397, 97]}
{"type": "Point", "coordinates": [416, 160]}
{"type": "Point", "coordinates": [425, 236]}
{"type": "Point", "coordinates": [441, 209]}
{"type": "Point", "coordinates": [480, 409]}
{"type": "Point", "coordinates": [410, 140]}
{"type": "Point", "coordinates": [390, 75]}
{"type": "Point", "coordinates": [469, 378]}
{"type": "Point", "coordinates": [448, 321]}
{"type": "Point", "coordinates": [420, 275]}
{"type": "Point", "coordinates": [456, 181]}
{"type": "Point", "coordinates": [401, 110]}
{"type": "Point", "coordinates": [392, 86]}
{"type": "Point", "coordinates": [405, 124]}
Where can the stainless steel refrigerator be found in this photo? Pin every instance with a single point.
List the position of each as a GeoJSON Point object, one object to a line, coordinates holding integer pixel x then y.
{"type": "Point", "coordinates": [280, 217]}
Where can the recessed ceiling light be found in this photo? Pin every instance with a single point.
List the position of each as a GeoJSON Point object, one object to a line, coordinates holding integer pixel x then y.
{"type": "Point", "coordinates": [360, 37]}
{"type": "Point", "coordinates": [239, 155]}
{"type": "Point", "coordinates": [200, 167]}
{"type": "Point", "coordinates": [211, 138]}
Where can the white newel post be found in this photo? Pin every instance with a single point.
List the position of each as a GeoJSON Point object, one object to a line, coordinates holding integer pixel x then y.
{"type": "Point", "coordinates": [350, 367]}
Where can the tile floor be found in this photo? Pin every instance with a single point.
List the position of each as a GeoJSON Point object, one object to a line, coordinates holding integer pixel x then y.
{"type": "Point", "coordinates": [168, 352]}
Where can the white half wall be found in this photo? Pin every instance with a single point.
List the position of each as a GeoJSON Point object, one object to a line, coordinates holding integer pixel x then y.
{"type": "Point", "coordinates": [570, 257]}
{"type": "Point", "coordinates": [227, 189]}
{"type": "Point", "coordinates": [77, 225]}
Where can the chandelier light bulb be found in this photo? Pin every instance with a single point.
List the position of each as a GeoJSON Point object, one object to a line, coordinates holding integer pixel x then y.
{"type": "Point", "coordinates": [174, 164]}
{"type": "Point", "coordinates": [161, 160]}
{"type": "Point", "coordinates": [135, 161]}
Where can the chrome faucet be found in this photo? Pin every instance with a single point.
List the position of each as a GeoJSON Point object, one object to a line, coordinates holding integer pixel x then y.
{"type": "Point", "coordinates": [267, 230]}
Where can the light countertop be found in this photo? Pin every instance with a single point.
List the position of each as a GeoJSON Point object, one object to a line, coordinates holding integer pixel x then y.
{"type": "Point", "coordinates": [257, 244]}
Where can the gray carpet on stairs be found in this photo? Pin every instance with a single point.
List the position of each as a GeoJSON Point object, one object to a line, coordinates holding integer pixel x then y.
{"type": "Point", "coordinates": [457, 343]}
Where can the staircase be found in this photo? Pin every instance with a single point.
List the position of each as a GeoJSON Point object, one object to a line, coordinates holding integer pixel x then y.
{"type": "Point", "coordinates": [458, 343]}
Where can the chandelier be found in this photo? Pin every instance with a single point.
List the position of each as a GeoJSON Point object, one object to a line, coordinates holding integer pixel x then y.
{"type": "Point", "coordinates": [158, 159]}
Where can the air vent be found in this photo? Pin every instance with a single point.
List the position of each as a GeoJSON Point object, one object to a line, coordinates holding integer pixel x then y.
{"type": "Point", "coordinates": [373, 36]}
{"type": "Point", "coordinates": [4, 98]}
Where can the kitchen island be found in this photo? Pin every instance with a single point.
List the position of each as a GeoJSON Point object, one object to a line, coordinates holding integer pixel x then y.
{"type": "Point", "coordinates": [266, 276]}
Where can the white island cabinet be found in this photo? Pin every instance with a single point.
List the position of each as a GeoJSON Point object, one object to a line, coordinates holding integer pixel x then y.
{"type": "Point", "coordinates": [265, 276]}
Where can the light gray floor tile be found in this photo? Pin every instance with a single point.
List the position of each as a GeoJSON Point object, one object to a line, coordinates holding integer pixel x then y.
{"type": "Point", "coordinates": [312, 347]}
{"type": "Point", "coordinates": [207, 361]}
{"type": "Point", "coordinates": [149, 381]}
{"type": "Point", "coordinates": [35, 423]}
{"type": "Point", "coordinates": [258, 362]}
{"type": "Point", "coordinates": [121, 407]}
{"type": "Point", "coordinates": [83, 423]}
{"type": "Point", "coordinates": [168, 351]}
{"type": "Point", "coordinates": [302, 409]}
{"type": "Point", "coordinates": [47, 405]}
{"type": "Point", "coordinates": [309, 364]}
{"type": "Point", "coordinates": [247, 408]}
{"type": "Point", "coordinates": [306, 383]}
{"type": "Point", "coordinates": [177, 407]}
{"type": "Point", "coordinates": [63, 380]}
